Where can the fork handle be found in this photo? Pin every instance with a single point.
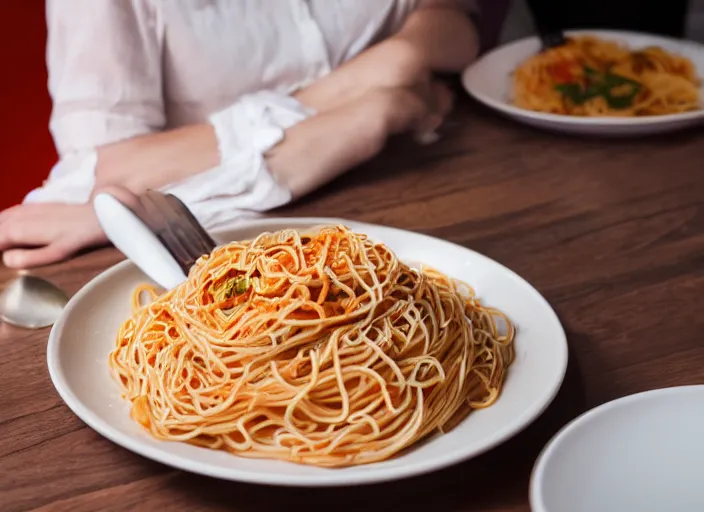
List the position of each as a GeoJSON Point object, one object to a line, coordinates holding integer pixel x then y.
{"type": "Point", "coordinates": [131, 236]}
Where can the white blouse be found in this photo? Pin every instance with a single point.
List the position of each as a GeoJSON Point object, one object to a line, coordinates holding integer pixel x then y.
{"type": "Point", "coordinates": [122, 68]}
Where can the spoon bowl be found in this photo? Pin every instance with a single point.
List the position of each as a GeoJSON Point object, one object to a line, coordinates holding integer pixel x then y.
{"type": "Point", "coordinates": [31, 302]}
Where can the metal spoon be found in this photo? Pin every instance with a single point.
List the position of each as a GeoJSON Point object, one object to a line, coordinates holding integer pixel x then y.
{"type": "Point", "coordinates": [31, 302]}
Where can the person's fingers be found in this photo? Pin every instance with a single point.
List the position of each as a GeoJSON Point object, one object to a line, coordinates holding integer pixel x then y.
{"type": "Point", "coordinates": [440, 101]}
{"type": "Point", "coordinates": [444, 98]}
{"type": "Point", "coordinates": [20, 231]}
{"type": "Point", "coordinates": [9, 212]}
{"type": "Point", "coordinates": [427, 130]}
{"type": "Point", "coordinates": [28, 258]}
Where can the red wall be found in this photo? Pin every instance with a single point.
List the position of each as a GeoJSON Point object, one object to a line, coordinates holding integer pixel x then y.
{"type": "Point", "coordinates": [26, 149]}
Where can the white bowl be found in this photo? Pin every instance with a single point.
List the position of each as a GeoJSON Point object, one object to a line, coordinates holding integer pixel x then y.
{"type": "Point", "coordinates": [489, 81]}
{"type": "Point", "coordinates": [641, 453]}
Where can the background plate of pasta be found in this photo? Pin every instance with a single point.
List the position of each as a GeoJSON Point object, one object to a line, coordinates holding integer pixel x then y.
{"type": "Point", "coordinates": [311, 352]}
{"type": "Point", "coordinates": [600, 82]}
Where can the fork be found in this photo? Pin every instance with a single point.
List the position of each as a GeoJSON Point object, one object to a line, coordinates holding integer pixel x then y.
{"type": "Point", "coordinates": [154, 230]}
{"type": "Point", "coordinates": [176, 227]}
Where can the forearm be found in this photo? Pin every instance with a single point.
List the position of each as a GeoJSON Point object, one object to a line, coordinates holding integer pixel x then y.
{"type": "Point", "coordinates": [156, 160]}
{"type": "Point", "coordinates": [439, 38]}
{"type": "Point", "coordinates": [342, 138]}
{"type": "Point", "coordinates": [348, 136]}
{"type": "Point", "coordinates": [390, 63]}
{"type": "Point", "coordinates": [159, 159]}
{"type": "Point", "coordinates": [311, 153]}
{"type": "Point", "coordinates": [443, 36]}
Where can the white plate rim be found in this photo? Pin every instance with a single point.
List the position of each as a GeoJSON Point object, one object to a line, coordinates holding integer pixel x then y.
{"type": "Point", "coordinates": [369, 475]}
{"type": "Point", "coordinates": [536, 498]}
{"type": "Point", "coordinates": [557, 119]}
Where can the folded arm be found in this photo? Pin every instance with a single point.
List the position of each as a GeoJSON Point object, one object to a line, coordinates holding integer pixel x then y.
{"type": "Point", "coordinates": [437, 38]}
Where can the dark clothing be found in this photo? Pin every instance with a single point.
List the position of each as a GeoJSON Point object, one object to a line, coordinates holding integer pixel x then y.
{"type": "Point", "coordinates": [663, 17]}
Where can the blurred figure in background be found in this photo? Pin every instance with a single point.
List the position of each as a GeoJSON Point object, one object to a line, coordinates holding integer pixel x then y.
{"type": "Point", "coordinates": [232, 105]}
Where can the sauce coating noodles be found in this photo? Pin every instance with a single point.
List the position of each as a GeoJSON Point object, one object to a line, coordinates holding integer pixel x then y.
{"type": "Point", "coordinates": [319, 348]}
{"type": "Point", "coordinates": [591, 77]}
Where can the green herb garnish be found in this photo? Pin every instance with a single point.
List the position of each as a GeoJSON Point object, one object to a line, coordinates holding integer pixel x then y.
{"type": "Point", "coordinates": [229, 288]}
{"type": "Point", "coordinates": [608, 85]}
{"type": "Point", "coordinates": [242, 284]}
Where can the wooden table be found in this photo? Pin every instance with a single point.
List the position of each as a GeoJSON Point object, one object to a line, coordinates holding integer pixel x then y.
{"type": "Point", "coordinates": [611, 232]}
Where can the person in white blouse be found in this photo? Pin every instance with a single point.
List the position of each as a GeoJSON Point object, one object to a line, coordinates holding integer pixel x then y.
{"type": "Point", "coordinates": [235, 106]}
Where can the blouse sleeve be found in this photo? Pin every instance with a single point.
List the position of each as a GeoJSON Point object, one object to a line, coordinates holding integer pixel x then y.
{"type": "Point", "coordinates": [104, 61]}
{"type": "Point", "coordinates": [242, 185]}
{"type": "Point", "coordinates": [104, 64]}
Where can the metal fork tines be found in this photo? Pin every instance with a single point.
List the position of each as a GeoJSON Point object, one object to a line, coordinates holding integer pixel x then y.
{"type": "Point", "coordinates": [176, 227]}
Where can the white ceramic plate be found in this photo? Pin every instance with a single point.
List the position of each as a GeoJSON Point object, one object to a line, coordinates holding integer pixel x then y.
{"type": "Point", "coordinates": [81, 340]}
{"type": "Point", "coordinates": [489, 81]}
{"type": "Point", "coordinates": [640, 453]}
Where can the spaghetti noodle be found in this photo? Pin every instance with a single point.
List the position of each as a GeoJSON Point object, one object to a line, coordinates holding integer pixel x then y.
{"type": "Point", "coordinates": [318, 348]}
{"type": "Point", "coordinates": [588, 76]}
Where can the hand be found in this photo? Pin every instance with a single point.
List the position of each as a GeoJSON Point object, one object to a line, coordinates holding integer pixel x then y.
{"type": "Point", "coordinates": [419, 110]}
{"type": "Point", "coordinates": [32, 235]}
{"type": "Point", "coordinates": [393, 63]}
{"type": "Point", "coordinates": [353, 133]}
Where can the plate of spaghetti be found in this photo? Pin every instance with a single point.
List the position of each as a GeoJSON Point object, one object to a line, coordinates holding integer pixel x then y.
{"type": "Point", "coordinates": [599, 82]}
{"type": "Point", "coordinates": [311, 352]}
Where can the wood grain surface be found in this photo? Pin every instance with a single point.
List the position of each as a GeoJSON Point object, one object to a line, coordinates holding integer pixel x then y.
{"type": "Point", "coordinates": [611, 232]}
